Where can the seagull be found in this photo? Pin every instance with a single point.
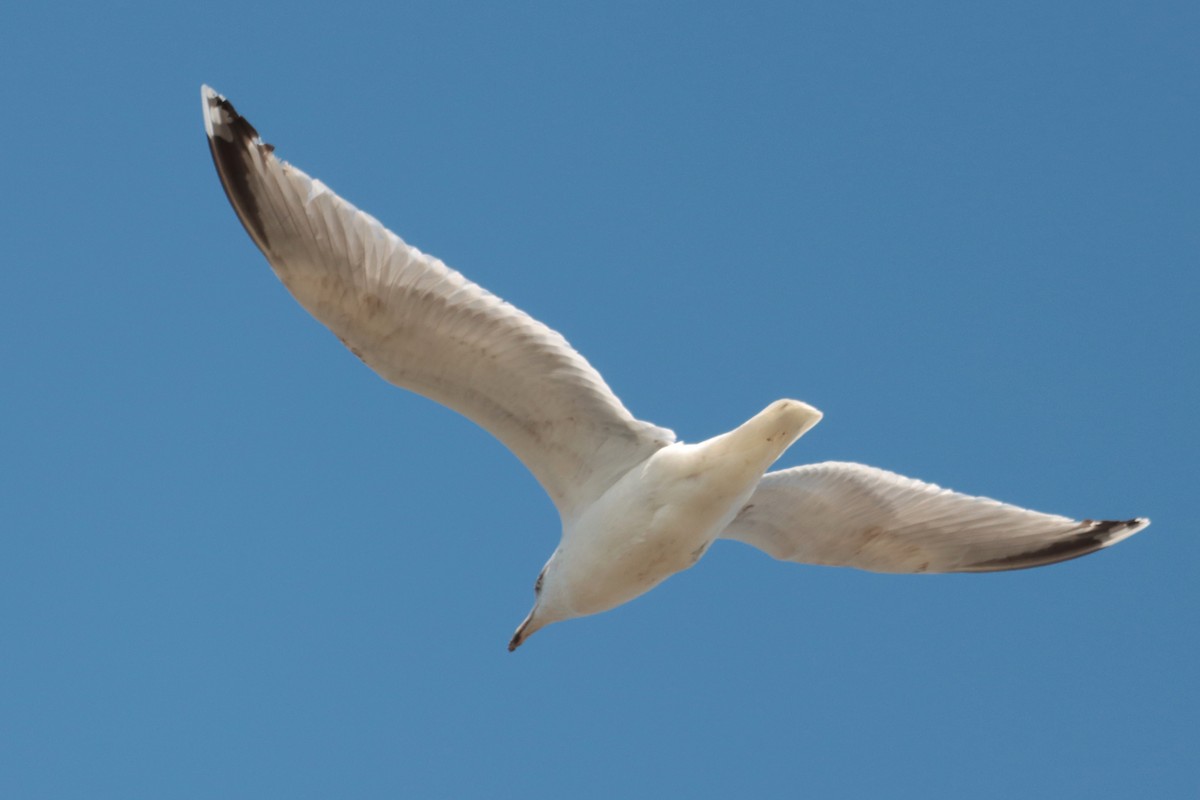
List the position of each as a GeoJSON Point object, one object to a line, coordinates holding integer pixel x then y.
{"type": "Point", "coordinates": [636, 505]}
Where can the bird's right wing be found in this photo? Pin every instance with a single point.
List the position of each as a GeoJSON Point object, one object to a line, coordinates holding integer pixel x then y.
{"type": "Point", "coordinates": [425, 327]}
{"type": "Point", "coordinates": [852, 515]}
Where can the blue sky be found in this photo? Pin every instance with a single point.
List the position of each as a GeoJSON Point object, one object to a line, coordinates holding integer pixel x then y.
{"type": "Point", "coordinates": [235, 563]}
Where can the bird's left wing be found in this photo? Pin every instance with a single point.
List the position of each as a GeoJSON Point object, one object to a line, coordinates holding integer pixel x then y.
{"type": "Point", "coordinates": [425, 327]}
{"type": "Point", "coordinates": [852, 515]}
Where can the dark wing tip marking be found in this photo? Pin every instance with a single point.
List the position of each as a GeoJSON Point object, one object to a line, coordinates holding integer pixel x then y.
{"type": "Point", "coordinates": [1112, 528]}
{"type": "Point", "coordinates": [1090, 537]}
{"type": "Point", "coordinates": [233, 141]}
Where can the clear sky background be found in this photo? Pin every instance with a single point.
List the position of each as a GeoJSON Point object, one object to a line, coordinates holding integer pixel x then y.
{"type": "Point", "coordinates": [235, 563]}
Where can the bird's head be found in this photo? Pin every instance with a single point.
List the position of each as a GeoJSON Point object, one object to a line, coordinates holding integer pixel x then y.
{"type": "Point", "coordinates": [547, 607]}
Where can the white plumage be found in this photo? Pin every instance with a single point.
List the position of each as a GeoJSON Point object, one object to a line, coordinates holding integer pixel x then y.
{"type": "Point", "coordinates": [850, 515]}
{"type": "Point", "coordinates": [636, 505]}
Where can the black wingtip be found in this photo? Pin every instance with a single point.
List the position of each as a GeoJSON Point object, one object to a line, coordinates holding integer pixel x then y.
{"type": "Point", "coordinates": [1090, 536]}
{"type": "Point", "coordinates": [233, 142]}
{"type": "Point", "coordinates": [1117, 528]}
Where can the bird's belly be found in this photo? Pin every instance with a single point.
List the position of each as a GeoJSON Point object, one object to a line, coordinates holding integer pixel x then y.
{"type": "Point", "coordinates": [624, 560]}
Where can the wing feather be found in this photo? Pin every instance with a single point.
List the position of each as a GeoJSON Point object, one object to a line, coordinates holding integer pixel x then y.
{"type": "Point", "coordinates": [425, 327]}
{"type": "Point", "coordinates": [852, 515]}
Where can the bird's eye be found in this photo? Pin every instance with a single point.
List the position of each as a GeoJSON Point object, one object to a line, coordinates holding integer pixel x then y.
{"type": "Point", "coordinates": [537, 587]}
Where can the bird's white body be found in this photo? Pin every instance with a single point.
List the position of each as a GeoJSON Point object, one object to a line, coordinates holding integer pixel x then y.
{"type": "Point", "coordinates": [636, 505]}
{"type": "Point", "coordinates": [661, 516]}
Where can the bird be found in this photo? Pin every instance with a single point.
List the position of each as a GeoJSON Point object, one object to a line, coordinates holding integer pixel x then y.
{"type": "Point", "coordinates": [636, 504]}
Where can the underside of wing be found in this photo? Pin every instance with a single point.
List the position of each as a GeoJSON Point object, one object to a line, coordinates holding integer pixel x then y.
{"type": "Point", "coordinates": [423, 326]}
{"type": "Point", "coordinates": [852, 515]}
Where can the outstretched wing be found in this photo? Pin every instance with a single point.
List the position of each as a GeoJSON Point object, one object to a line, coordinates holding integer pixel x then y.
{"type": "Point", "coordinates": [851, 515]}
{"type": "Point", "coordinates": [425, 327]}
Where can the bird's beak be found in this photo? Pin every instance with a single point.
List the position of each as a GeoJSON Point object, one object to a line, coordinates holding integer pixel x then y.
{"type": "Point", "coordinates": [524, 631]}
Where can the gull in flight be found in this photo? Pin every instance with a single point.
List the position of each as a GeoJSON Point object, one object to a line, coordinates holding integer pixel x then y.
{"type": "Point", "coordinates": [637, 506]}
